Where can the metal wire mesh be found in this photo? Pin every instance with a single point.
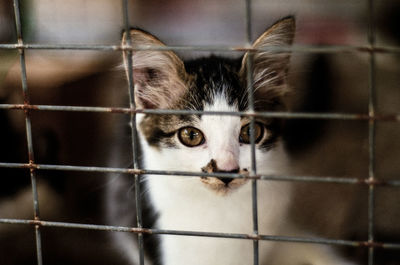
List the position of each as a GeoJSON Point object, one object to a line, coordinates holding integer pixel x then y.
{"type": "Point", "coordinates": [136, 172]}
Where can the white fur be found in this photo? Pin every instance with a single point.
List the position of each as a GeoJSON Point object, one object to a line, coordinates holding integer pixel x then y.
{"type": "Point", "coordinates": [185, 203]}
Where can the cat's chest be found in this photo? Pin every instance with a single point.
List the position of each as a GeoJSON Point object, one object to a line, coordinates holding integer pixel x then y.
{"type": "Point", "coordinates": [198, 210]}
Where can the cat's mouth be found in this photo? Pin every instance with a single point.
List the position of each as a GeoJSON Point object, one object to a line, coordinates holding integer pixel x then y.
{"type": "Point", "coordinates": [223, 187]}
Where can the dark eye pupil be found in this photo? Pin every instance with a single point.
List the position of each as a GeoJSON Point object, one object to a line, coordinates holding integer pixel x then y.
{"type": "Point", "coordinates": [192, 135]}
{"type": "Point", "coordinates": [248, 131]}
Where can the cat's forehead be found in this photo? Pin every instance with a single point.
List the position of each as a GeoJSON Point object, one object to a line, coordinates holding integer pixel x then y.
{"type": "Point", "coordinates": [223, 123]}
{"type": "Point", "coordinates": [214, 80]}
{"type": "Point", "coordinates": [220, 103]}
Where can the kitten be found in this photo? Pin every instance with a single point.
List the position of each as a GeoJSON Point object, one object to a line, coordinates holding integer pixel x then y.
{"type": "Point", "coordinates": [212, 144]}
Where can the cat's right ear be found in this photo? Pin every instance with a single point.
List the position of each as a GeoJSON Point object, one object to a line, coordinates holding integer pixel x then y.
{"type": "Point", "coordinates": [158, 76]}
{"type": "Point", "coordinates": [270, 67]}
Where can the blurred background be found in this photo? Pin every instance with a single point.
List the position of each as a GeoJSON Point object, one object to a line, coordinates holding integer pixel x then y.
{"type": "Point", "coordinates": [324, 82]}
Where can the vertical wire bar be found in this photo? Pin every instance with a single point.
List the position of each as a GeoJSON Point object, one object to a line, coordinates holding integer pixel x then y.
{"type": "Point", "coordinates": [133, 129]}
{"type": "Point", "coordinates": [249, 64]}
{"type": "Point", "coordinates": [371, 133]}
{"type": "Point", "coordinates": [28, 127]}
{"type": "Point", "coordinates": [249, 29]}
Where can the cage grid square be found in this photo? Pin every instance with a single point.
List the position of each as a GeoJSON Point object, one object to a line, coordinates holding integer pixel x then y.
{"type": "Point", "coordinates": [372, 181]}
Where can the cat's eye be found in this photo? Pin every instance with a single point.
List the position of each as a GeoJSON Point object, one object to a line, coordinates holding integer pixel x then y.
{"type": "Point", "coordinates": [244, 136]}
{"type": "Point", "coordinates": [190, 136]}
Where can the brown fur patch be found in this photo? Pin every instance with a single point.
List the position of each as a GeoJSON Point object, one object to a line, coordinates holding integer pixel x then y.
{"type": "Point", "coordinates": [159, 130]}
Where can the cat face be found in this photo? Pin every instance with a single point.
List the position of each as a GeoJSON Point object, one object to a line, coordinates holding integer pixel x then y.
{"type": "Point", "coordinates": [210, 143]}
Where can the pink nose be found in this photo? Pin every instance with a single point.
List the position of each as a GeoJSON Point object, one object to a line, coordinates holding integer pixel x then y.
{"type": "Point", "coordinates": [227, 162]}
{"type": "Point", "coordinates": [227, 166]}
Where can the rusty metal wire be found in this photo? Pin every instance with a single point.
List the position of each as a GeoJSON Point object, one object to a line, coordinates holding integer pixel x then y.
{"type": "Point", "coordinates": [131, 90]}
{"type": "Point", "coordinates": [371, 133]}
{"type": "Point", "coordinates": [136, 230]}
{"type": "Point", "coordinates": [25, 93]}
{"type": "Point", "coordinates": [211, 48]}
{"type": "Point", "coordinates": [371, 117]}
{"type": "Point", "coordinates": [319, 179]}
{"type": "Point", "coordinates": [267, 114]}
{"type": "Point", "coordinates": [253, 169]}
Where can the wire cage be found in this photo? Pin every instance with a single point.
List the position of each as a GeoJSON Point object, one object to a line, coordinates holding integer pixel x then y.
{"type": "Point", "coordinates": [372, 181]}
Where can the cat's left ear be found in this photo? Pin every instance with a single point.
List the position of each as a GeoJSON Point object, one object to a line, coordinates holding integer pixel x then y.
{"type": "Point", "coordinates": [158, 75]}
{"type": "Point", "coordinates": [270, 67]}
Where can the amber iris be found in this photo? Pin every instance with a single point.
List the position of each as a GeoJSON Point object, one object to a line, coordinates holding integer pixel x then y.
{"type": "Point", "coordinates": [244, 136]}
{"type": "Point", "coordinates": [190, 136]}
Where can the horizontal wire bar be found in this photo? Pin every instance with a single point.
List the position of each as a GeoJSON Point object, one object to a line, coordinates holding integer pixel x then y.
{"type": "Point", "coordinates": [268, 114]}
{"type": "Point", "coordinates": [210, 48]}
{"type": "Point", "coordinates": [322, 179]}
{"type": "Point", "coordinates": [311, 240]}
{"type": "Point", "coordinates": [96, 47]}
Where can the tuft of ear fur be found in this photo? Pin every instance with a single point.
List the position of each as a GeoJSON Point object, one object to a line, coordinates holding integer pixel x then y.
{"type": "Point", "coordinates": [270, 66]}
{"type": "Point", "coordinates": [158, 76]}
